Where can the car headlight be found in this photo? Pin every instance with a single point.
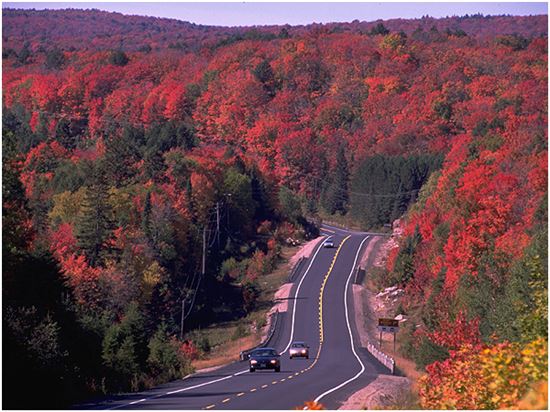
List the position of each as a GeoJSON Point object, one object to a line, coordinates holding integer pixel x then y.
{"type": "Point", "coordinates": [273, 361]}
{"type": "Point", "coordinates": [253, 361]}
{"type": "Point", "coordinates": [303, 351]}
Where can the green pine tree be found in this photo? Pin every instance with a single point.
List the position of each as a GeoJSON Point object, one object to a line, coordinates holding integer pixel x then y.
{"type": "Point", "coordinates": [94, 224]}
{"type": "Point", "coordinates": [336, 194]}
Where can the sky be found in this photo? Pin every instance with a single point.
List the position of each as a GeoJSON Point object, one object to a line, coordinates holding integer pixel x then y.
{"type": "Point", "coordinates": [263, 13]}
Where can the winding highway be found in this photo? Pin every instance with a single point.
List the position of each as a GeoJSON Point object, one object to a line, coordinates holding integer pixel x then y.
{"type": "Point", "coordinates": [320, 312]}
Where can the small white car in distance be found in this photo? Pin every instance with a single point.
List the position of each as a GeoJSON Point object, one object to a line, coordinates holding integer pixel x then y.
{"type": "Point", "coordinates": [328, 242]}
{"type": "Point", "coordinates": [299, 349]}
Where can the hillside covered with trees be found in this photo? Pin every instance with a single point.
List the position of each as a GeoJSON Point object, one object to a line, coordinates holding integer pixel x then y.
{"type": "Point", "coordinates": [148, 162]}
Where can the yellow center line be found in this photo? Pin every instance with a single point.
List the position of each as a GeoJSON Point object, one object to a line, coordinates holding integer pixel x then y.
{"type": "Point", "coordinates": [323, 290]}
{"type": "Point", "coordinates": [320, 328]}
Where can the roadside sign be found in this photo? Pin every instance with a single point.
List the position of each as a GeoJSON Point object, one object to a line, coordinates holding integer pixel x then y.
{"type": "Point", "coordinates": [388, 325]}
{"type": "Point", "coordinates": [388, 322]}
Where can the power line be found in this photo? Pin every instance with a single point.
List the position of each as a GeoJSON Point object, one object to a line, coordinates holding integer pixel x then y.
{"type": "Point", "coordinates": [351, 192]}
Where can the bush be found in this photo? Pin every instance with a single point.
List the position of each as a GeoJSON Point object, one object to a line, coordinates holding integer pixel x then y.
{"type": "Point", "coordinates": [166, 362]}
{"type": "Point", "coordinates": [124, 351]}
{"type": "Point", "coordinates": [380, 277]}
{"type": "Point", "coordinates": [250, 295]}
{"type": "Point", "coordinates": [239, 332]}
{"type": "Point", "coordinates": [494, 377]}
{"type": "Point", "coordinates": [204, 344]}
{"type": "Point", "coordinates": [426, 352]}
{"type": "Point", "coordinates": [231, 269]}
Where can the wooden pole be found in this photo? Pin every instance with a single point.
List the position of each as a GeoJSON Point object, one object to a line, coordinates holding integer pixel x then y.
{"type": "Point", "coordinates": [182, 317]}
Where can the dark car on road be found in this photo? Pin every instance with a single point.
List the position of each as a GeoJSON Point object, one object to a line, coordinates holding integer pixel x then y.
{"type": "Point", "coordinates": [264, 358]}
{"type": "Point", "coordinates": [299, 349]}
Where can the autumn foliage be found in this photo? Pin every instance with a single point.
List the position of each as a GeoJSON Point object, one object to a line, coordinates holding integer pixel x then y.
{"type": "Point", "coordinates": [493, 377]}
{"type": "Point", "coordinates": [133, 143]}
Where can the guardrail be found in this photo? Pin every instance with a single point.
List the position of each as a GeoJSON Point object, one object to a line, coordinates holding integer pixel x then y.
{"type": "Point", "coordinates": [273, 325]}
{"type": "Point", "coordinates": [296, 269]}
{"type": "Point", "coordinates": [384, 359]}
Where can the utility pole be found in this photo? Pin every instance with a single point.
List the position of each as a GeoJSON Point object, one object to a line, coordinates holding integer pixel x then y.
{"type": "Point", "coordinates": [182, 317]}
{"type": "Point", "coordinates": [203, 250]}
{"type": "Point", "coordinates": [218, 223]}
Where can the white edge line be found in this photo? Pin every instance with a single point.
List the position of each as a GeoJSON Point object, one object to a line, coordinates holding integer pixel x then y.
{"type": "Point", "coordinates": [199, 385]}
{"type": "Point", "coordinates": [349, 330]}
{"type": "Point", "coordinates": [241, 372]}
{"type": "Point", "coordinates": [296, 296]}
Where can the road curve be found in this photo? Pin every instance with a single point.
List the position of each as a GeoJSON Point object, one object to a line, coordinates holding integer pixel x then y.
{"type": "Point", "coordinates": [321, 302]}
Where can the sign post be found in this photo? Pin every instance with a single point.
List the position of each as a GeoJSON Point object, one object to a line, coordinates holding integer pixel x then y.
{"type": "Point", "coordinates": [388, 325]}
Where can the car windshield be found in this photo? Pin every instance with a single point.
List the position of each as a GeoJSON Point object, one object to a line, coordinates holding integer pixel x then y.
{"type": "Point", "coordinates": [298, 345]}
{"type": "Point", "coordinates": [264, 353]}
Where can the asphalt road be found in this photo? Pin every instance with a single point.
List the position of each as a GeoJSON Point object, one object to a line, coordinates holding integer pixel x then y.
{"type": "Point", "coordinates": [321, 314]}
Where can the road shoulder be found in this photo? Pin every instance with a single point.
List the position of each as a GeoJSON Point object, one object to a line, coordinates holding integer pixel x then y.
{"type": "Point", "coordinates": [385, 391]}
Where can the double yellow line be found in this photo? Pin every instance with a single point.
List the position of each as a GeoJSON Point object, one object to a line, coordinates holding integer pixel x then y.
{"type": "Point", "coordinates": [320, 326]}
{"type": "Point", "coordinates": [323, 288]}
{"type": "Point", "coordinates": [321, 293]}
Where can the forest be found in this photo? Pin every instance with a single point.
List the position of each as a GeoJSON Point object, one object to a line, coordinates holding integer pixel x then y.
{"type": "Point", "coordinates": [149, 161]}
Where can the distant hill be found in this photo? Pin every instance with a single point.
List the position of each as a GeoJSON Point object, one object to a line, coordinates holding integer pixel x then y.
{"type": "Point", "coordinates": [98, 30]}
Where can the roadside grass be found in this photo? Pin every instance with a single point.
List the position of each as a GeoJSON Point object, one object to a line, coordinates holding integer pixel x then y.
{"type": "Point", "coordinates": [405, 400]}
{"type": "Point", "coordinates": [228, 339]}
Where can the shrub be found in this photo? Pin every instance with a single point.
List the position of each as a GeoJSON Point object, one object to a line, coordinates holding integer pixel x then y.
{"type": "Point", "coordinates": [166, 362]}
{"type": "Point", "coordinates": [427, 352]}
{"type": "Point", "coordinates": [250, 295]}
{"type": "Point", "coordinates": [240, 332]}
{"type": "Point", "coordinates": [204, 344]}
{"type": "Point", "coordinates": [494, 377]}
{"type": "Point", "coordinates": [123, 350]}
{"type": "Point", "coordinates": [232, 269]}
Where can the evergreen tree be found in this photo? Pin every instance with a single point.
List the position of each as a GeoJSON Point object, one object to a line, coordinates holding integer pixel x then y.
{"type": "Point", "coordinates": [379, 29]}
{"type": "Point", "coordinates": [265, 75]}
{"type": "Point", "coordinates": [55, 59]}
{"type": "Point", "coordinates": [336, 195]}
{"type": "Point", "coordinates": [121, 155]}
{"type": "Point", "coordinates": [146, 216]}
{"type": "Point", "coordinates": [118, 58]}
{"type": "Point", "coordinates": [94, 224]}
{"type": "Point", "coordinates": [25, 53]}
